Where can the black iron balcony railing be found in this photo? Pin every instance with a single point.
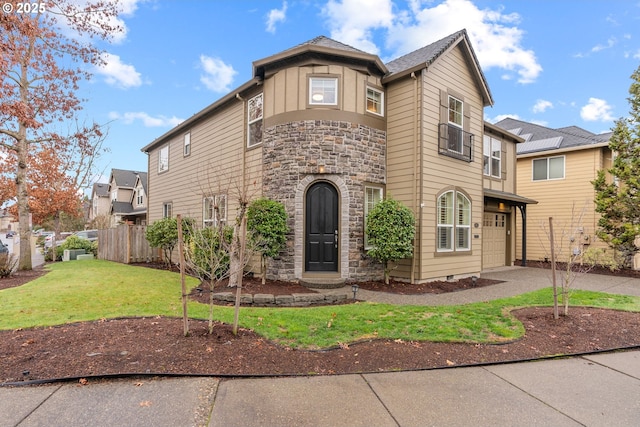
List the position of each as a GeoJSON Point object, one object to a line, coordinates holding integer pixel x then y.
{"type": "Point", "coordinates": [454, 142]}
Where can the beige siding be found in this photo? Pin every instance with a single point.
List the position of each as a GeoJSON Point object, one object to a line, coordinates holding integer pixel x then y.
{"type": "Point", "coordinates": [570, 201]}
{"type": "Point", "coordinates": [450, 73]}
{"type": "Point", "coordinates": [214, 166]}
{"type": "Point", "coordinates": [287, 90]}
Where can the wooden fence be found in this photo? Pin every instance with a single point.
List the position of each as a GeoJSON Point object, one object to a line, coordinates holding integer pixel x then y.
{"type": "Point", "coordinates": [126, 244]}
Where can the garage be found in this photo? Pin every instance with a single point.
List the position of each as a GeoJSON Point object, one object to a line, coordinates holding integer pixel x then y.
{"type": "Point", "coordinates": [494, 240]}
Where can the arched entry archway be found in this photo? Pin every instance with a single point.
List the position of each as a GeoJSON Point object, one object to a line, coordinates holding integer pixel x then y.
{"type": "Point", "coordinates": [321, 227]}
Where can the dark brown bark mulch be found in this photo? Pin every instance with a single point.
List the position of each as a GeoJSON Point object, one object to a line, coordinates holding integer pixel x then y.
{"type": "Point", "coordinates": [157, 345]}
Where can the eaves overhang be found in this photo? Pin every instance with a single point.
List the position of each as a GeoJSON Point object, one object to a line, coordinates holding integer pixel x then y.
{"type": "Point", "coordinates": [201, 115]}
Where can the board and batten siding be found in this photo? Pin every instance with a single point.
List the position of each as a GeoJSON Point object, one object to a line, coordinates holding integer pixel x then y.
{"type": "Point", "coordinates": [563, 199]}
{"type": "Point", "coordinates": [213, 167]}
{"type": "Point", "coordinates": [287, 90]}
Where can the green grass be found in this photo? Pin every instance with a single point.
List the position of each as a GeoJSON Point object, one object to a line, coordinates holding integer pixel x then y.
{"type": "Point", "coordinates": [92, 290]}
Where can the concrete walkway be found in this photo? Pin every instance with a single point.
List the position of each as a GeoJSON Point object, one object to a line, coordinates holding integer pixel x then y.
{"type": "Point", "coordinates": [594, 390]}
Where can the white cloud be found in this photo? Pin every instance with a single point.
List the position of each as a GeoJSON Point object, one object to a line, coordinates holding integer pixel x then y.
{"type": "Point", "coordinates": [596, 110]}
{"type": "Point", "coordinates": [495, 36]}
{"type": "Point", "coordinates": [352, 21]}
{"type": "Point", "coordinates": [542, 105]}
{"type": "Point", "coordinates": [610, 43]}
{"type": "Point", "coordinates": [275, 16]}
{"type": "Point", "coordinates": [147, 120]}
{"type": "Point", "coordinates": [117, 73]}
{"type": "Point", "coordinates": [217, 76]}
{"type": "Point", "coordinates": [499, 117]}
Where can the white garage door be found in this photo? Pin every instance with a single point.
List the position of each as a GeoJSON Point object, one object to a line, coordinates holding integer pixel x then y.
{"type": "Point", "coordinates": [494, 240]}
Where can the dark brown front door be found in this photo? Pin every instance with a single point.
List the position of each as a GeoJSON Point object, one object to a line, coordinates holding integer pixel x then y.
{"type": "Point", "coordinates": [321, 228]}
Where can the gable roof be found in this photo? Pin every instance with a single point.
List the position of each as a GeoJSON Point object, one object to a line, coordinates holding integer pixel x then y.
{"type": "Point", "coordinates": [319, 50]}
{"type": "Point", "coordinates": [541, 138]}
{"type": "Point", "coordinates": [126, 178]}
{"type": "Point", "coordinates": [100, 190]}
{"type": "Point", "coordinates": [427, 55]}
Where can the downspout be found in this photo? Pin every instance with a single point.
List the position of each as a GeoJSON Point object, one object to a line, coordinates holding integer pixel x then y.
{"type": "Point", "coordinates": [416, 207]}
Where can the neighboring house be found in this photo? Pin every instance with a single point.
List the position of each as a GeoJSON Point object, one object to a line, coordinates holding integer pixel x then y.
{"type": "Point", "coordinates": [556, 168]}
{"type": "Point", "coordinates": [128, 197]}
{"type": "Point", "coordinates": [330, 130]}
{"type": "Point", "coordinates": [100, 201]}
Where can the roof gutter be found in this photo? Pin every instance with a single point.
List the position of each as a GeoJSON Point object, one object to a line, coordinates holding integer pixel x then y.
{"type": "Point", "coordinates": [231, 96]}
{"type": "Point", "coordinates": [562, 150]}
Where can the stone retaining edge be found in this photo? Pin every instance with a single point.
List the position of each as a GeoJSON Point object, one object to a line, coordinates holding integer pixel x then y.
{"type": "Point", "coordinates": [269, 300]}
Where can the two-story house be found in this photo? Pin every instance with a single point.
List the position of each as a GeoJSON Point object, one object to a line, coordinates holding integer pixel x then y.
{"type": "Point", "coordinates": [329, 130]}
{"type": "Point", "coordinates": [556, 168]}
{"type": "Point", "coordinates": [128, 197]}
{"type": "Point", "coordinates": [100, 201]}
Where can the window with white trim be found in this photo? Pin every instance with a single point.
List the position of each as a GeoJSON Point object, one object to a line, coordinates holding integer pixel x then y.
{"type": "Point", "coordinates": [323, 91]}
{"type": "Point", "coordinates": [456, 114]}
{"type": "Point", "coordinates": [372, 196]}
{"type": "Point", "coordinates": [187, 144]}
{"type": "Point", "coordinates": [492, 156]}
{"type": "Point", "coordinates": [215, 210]}
{"type": "Point", "coordinates": [139, 196]}
{"type": "Point", "coordinates": [375, 101]}
{"type": "Point", "coordinates": [163, 159]}
{"type": "Point", "coordinates": [548, 168]}
{"type": "Point", "coordinates": [167, 210]}
{"type": "Point", "coordinates": [454, 222]}
{"type": "Point", "coordinates": [254, 115]}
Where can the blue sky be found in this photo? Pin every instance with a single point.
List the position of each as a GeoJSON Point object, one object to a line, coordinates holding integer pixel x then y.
{"type": "Point", "coordinates": [556, 63]}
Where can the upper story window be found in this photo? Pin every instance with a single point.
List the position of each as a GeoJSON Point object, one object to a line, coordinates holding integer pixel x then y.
{"type": "Point", "coordinates": [254, 114]}
{"type": "Point", "coordinates": [215, 210]}
{"type": "Point", "coordinates": [455, 140]}
{"type": "Point", "coordinates": [454, 222]}
{"type": "Point", "coordinates": [323, 91]}
{"type": "Point", "coordinates": [139, 196]}
{"type": "Point", "coordinates": [375, 101]}
{"type": "Point", "coordinates": [114, 194]}
{"type": "Point", "coordinates": [372, 196]}
{"type": "Point", "coordinates": [163, 159]}
{"type": "Point", "coordinates": [492, 156]}
{"type": "Point", "coordinates": [455, 111]}
{"type": "Point", "coordinates": [548, 168]}
{"type": "Point", "coordinates": [167, 210]}
{"type": "Point", "coordinates": [187, 144]}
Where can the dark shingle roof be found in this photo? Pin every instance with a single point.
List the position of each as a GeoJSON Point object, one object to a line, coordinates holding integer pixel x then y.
{"type": "Point", "coordinates": [327, 42]}
{"type": "Point", "coordinates": [425, 55]}
{"type": "Point", "coordinates": [100, 189]}
{"type": "Point", "coordinates": [127, 178]}
{"type": "Point", "coordinates": [121, 207]}
{"type": "Point", "coordinates": [540, 138]}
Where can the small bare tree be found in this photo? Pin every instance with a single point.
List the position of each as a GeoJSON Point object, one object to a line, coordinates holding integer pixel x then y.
{"type": "Point", "coordinates": [568, 243]}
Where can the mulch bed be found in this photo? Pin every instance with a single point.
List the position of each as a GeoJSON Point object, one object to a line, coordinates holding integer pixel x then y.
{"type": "Point", "coordinates": [157, 346]}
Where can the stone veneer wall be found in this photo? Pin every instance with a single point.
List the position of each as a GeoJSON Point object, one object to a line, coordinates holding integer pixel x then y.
{"type": "Point", "coordinates": [352, 155]}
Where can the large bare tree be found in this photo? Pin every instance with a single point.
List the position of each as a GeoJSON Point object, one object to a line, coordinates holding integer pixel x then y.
{"type": "Point", "coordinates": [43, 57]}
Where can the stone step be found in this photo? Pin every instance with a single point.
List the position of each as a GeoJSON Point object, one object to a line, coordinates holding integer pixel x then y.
{"type": "Point", "coordinates": [322, 283]}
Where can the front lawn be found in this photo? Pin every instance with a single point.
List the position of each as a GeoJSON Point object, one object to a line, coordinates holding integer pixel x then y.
{"type": "Point", "coordinates": [94, 290]}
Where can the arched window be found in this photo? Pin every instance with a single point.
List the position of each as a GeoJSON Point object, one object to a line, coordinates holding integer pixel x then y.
{"type": "Point", "coordinates": [454, 222]}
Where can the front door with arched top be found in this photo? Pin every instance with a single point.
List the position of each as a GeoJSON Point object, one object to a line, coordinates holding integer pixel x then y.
{"type": "Point", "coordinates": [321, 228]}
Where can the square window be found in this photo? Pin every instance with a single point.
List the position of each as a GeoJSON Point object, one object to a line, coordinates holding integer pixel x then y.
{"type": "Point", "coordinates": [167, 210]}
{"type": "Point", "coordinates": [323, 91]}
{"type": "Point", "coordinates": [375, 101]}
{"type": "Point", "coordinates": [215, 210]}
